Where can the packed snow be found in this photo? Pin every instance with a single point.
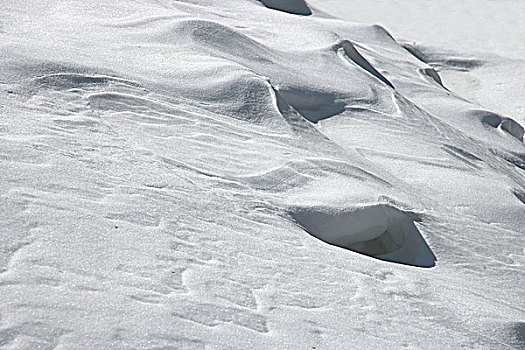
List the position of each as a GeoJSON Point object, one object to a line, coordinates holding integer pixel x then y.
{"type": "Point", "coordinates": [244, 174]}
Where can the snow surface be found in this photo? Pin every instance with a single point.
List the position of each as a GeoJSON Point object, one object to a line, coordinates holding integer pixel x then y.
{"type": "Point", "coordinates": [245, 174]}
{"type": "Point", "coordinates": [476, 45]}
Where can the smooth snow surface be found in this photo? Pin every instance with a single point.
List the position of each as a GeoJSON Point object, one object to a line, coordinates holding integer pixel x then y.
{"type": "Point", "coordinates": [245, 174]}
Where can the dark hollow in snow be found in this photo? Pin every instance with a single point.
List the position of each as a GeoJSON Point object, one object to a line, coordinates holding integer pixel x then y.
{"type": "Point", "coordinates": [513, 128]}
{"type": "Point", "coordinates": [312, 105]}
{"type": "Point", "coordinates": [296, 7]}
{"type": "Point", "coordinates": [506, 124]}
{"type": "Point", "coordinates": [520, 195]}
{"type": "Point", "coordinates": [519, 330]}
{"type": "Point", "coordinates": [415, 52]}
{"type": "Point", "coordinates": [432, 74]}
{"type": "Point", "coordinates": [380, 231]}
{"type": "Point", "coordinates": [348, 51]}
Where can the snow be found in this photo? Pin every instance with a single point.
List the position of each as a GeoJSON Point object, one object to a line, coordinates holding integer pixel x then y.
{"type": "Point", "coordinates": [261, 174]}
{"type": "Point", "coordinates": [380, 231]}
{"type": "Point", "coordinates": [477, 45]}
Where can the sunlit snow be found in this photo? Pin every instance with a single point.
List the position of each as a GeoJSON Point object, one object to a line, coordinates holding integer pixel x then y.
{"type": "Point", "coordinates": [244, 174]}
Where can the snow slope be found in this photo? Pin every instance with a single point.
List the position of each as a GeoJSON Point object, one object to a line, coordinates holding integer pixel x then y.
{"type": "Point", "coordinates": [247, 174]}
{"type": "Point", "coordinates": [476, 45]}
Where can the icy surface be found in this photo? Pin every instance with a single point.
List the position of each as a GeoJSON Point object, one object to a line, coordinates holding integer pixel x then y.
{"type": "Point", "coordinates": [254, 175]}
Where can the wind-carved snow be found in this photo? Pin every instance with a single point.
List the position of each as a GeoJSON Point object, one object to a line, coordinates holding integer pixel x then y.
{"type": "Point", "coordinates": [183, 174]}
{"type": "Point", "coordinates": [348, 51]}
{"type": "Point", "coordinates": [297, 7]}
{"type": "Point", "coordinates": [380, 231]}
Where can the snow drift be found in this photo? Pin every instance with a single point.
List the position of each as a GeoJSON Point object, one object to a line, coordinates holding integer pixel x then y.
{"type": "Point", "coordinates": [184, 174]}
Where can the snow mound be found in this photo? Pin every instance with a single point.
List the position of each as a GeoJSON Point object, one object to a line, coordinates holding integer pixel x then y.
{"type": "Point", "coordinates": [380, 231]}
{"type": "Point", "coordinates": [296, 7]}
{"type": "Point", "coordinates": [166, 158]}
{"type": "Point", "coordinates": [215, 39]}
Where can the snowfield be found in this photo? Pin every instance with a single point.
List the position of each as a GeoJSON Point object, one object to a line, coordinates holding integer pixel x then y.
{"type": "Point", "coordinates": [244, 174]}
